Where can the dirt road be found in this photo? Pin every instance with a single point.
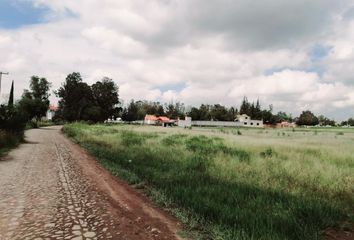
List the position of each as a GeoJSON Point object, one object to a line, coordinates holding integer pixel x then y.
{"type": "Point", "coordinates": [51, 189]}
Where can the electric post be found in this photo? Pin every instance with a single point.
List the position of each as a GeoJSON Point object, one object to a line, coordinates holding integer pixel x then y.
{"type": "Point", "coordinates": [2, 73]}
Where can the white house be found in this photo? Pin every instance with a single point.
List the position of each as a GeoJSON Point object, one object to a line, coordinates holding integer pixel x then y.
{"type": "Point", "coordinates": [51, 112]}
{"type": "Point", "coordinates": [246, 121]}
{"type": "Point", "coordinates": [241, 121]}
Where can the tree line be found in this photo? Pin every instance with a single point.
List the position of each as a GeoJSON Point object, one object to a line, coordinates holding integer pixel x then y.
{"type": "Point", "coordinates": [79, 101]}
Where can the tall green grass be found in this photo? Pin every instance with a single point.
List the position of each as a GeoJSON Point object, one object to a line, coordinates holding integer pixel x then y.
{"type": "Point", "coordinates": [233, 187]}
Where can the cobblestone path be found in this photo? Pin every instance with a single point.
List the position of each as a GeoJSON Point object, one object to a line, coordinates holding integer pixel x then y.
{"type": "Point", "coordinates": [45, 193]}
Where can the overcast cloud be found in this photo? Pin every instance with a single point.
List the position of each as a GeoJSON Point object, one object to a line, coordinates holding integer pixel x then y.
{"type": "Point", "coordinates": [296, 55]}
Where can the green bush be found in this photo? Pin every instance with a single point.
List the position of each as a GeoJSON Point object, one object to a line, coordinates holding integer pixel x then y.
{"type": "Point", "coordinates": [12, 119]}
{"type": "Point", "coordinates": [9, 140]}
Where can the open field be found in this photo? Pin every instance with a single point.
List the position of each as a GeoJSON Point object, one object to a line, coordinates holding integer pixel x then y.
{"type": "Point", "coordinates": [235, 184]}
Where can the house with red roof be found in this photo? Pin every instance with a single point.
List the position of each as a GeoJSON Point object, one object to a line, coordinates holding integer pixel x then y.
{"type": "Point", "coordinates": [161, 120]}
{"type": "Point", "coordinates": [51, 112]}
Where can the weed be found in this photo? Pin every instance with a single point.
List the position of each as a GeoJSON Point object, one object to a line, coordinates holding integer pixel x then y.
{"type": "Point", "coordinates": [268, 153]}
{"type": "Point", "coordinates": [131, 138]}
{"type": "Point", "coordinates": [175, 139]}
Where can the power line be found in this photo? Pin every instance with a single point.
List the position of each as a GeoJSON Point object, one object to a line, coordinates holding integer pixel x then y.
{"type": "Point", "coordinates": [2, 73]}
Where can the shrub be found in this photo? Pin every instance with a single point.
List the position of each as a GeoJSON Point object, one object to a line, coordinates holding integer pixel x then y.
{"type": "Point", "coordinates": [268, 153]}
{"type": "Point", "coordinates": [11, 119]}
{"type": "Point", "coordinates": [8, 139]}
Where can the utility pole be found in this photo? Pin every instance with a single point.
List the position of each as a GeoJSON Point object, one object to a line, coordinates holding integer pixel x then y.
{"type": "Point", "coordinates": [2, 73]}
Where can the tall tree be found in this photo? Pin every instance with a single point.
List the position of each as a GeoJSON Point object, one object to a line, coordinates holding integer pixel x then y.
{"type": "Point", "coordinates": [219, 113]}
{"type": "Point", "coordinates": [130, 113]}
{"type": "Point", "coordinates": [35, 102]}
{"type": "Point", "coordinates": [76, 99]}
{"type": "Point", "coordinates": [11, 98]}
{"type": "Point", "coordinates": [40, 88]}
{"type": "Point", "coordinates": [174, 110]}
{"type": "Point", "coordinates": [245, 107]}
{"type": "Point", "coordinates": [105, 94]}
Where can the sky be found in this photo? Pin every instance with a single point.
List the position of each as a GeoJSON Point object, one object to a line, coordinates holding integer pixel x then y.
{"type": "Point", "coordinates": [295, 55]}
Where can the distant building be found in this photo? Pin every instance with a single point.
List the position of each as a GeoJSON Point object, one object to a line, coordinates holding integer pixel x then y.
{"type": "Point", "coordinates": [150, 120]}
{"type": "Point", "coordinates": [162, 120]}
{"type": "Point", "coordinates": [241, 121]}
{"type": "Point", "coordinates": [51, 112]}
{"type": "Point", "coordinates": [285, 124]}
{"type": "Point", "coordinates": [246, 121]}
{"type": "Point", "coordinates": [187, 122]}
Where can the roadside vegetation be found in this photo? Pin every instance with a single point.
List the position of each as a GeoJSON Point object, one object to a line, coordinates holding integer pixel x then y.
{"type": "Point", "coordinates": [26, 113]}
{"type": "Point", "coordinates": [8, 141]}
{"type": "Point", "coordinates": [235, 183]}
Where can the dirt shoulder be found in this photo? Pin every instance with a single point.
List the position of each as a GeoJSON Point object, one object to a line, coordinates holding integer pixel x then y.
{"type": "Point", "coordinates": [126, 200]}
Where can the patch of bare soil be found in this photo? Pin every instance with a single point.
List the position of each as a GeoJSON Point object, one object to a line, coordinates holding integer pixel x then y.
{"type": "Point", "coordinates": [332, 234]}
{"type": "Point", "coordinates": [127, 202]}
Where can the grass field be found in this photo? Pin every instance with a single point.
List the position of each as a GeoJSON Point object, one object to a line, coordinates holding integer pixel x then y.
{"type": "Point", "coordinates": [235, 184]}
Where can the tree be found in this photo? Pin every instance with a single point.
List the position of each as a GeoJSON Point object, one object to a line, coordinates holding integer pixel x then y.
{"type": "Point", "coordinates": [245, 107]}
{"type": "Point", "coordinates": [349, 122]}
{"type": "Point", "coordinates": [11, 98]}
{"type": "Point", "coordinates": [174, 110]}
{"type": "Point", "coordinates": [130, 113]}
{"type": "Point", "coordinates": [204, 113]}
{"type": "Point", "coordinates": [76, 99]}
{"type": "Point", "coordinates": [307, 118]}
{"type": "Point", "coordinates": [257, 111]}
{"type": "Point", "coordinates": [40, 88]}
{"type": "Point", "coordinates": [35, 102]}
{"type": "Point", "coordinates": [105, 94]}
{"type": "Point", "coordinates": [12, 119]}
{"type": "Point", "coordinates": [283, 116]}
{"type": "Point", "coordinates": [324, 121]}
{"type": "Point", "coordinates": [79, 101]}
{"type": "Point", "coordinates": [219, 113]}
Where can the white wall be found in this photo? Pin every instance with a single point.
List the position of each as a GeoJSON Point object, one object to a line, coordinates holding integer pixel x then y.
{"type": "Point", "coordinates": [249, 123]}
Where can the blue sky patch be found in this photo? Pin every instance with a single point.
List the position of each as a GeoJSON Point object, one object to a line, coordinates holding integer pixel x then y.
{"type": "Point", "coordinates": [315, 68]}
{"type": "Point", "coordinates": [14, 14]}
{"type": "Point", "coordinates": [175, 87]}
{"type": "Point", "coordinates": [319, 52]}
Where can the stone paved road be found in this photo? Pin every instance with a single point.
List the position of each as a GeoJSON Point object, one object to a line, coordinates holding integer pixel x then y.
{"type": "Point", "coordinates": [51, 189]}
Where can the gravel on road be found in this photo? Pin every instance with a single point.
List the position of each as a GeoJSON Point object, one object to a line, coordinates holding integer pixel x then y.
{"type": "Point", "coordinates": [52, 189]}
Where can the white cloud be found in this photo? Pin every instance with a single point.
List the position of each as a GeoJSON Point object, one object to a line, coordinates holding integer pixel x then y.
{"type": "Point", "coordinates": [214, 51]}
